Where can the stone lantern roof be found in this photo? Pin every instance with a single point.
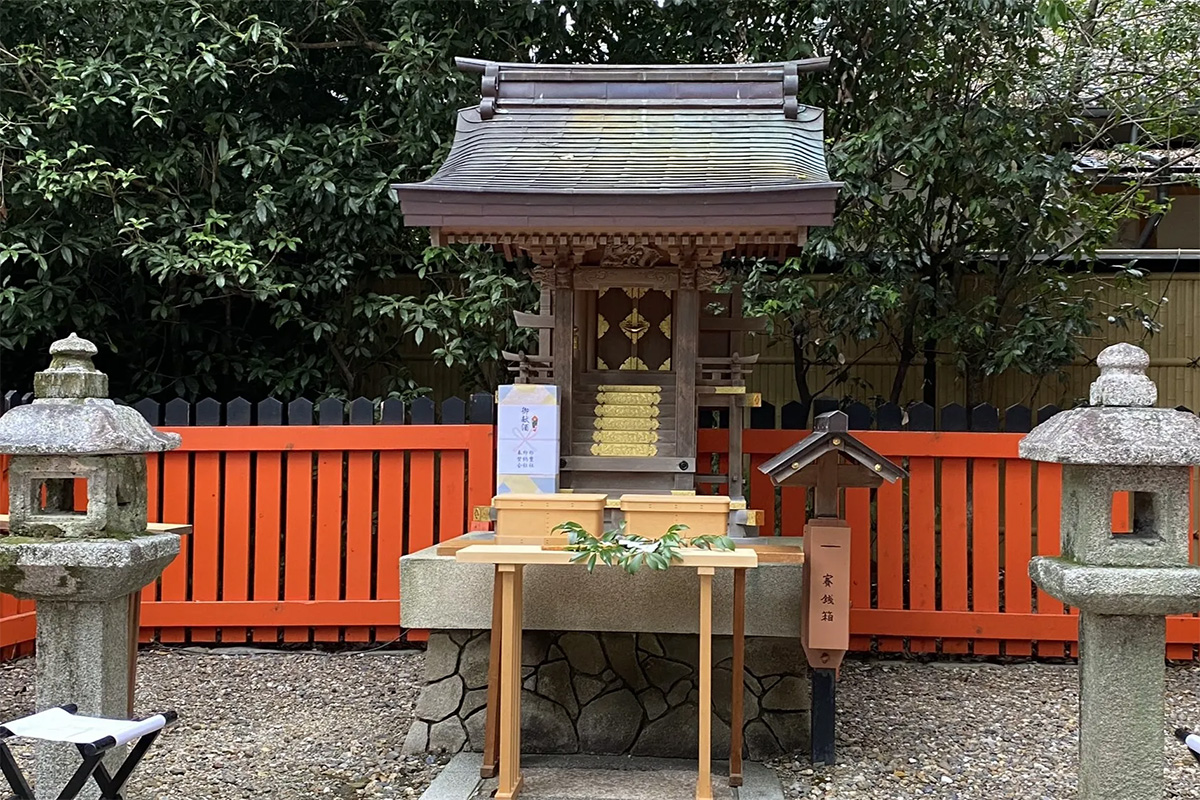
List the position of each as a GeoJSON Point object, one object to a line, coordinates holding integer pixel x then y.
{"type": "Point", "coordinates": [72, 415]}
{"type": "Point", "coordinates": [1121, 427]}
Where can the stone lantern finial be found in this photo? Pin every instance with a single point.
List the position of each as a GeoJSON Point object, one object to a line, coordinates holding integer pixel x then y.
{"type": "Point", "coordinates": [71, 375]}
{"type": "Point", "coordinates": [1123, 380]}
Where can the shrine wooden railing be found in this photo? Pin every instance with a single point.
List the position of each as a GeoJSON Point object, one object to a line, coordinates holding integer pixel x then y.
{"type": "Point", "coordinates": [300, 514]}
{"type": "Point", "coordinates": [731, 371]}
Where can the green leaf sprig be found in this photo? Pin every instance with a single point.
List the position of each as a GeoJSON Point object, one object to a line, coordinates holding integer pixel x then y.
{"type": "Point", "coordinates": [631, 552]}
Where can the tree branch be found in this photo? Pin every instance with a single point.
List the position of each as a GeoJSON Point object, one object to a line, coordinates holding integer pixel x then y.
{"type": "Point", "coordinates": [340, 44]}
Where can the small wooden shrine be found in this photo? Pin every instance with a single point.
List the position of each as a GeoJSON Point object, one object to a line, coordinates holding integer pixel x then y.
{"type": "Point", "coordinates": [627, 187]}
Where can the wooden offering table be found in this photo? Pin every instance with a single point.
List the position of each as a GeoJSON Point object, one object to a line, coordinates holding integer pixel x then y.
{"type": "Point", "coordinates": [504, 690]}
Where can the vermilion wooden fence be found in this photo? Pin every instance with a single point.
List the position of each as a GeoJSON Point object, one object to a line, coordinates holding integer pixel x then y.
{"type": "Point", "coordinates": [299, 527]}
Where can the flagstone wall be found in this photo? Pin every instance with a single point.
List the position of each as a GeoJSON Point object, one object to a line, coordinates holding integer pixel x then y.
{"type": "Point", "coordinates": [614, 693]}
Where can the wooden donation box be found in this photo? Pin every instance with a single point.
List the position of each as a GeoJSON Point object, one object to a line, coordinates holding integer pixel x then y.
{"type": "Point", "coordinates": [829, 460]}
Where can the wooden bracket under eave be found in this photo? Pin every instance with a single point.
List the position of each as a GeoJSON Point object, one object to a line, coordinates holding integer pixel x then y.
{"type": "Point", "coordinates": [435, 237]}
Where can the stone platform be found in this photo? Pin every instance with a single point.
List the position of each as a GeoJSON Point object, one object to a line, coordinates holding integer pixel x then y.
{"type": "Point", "coordinates": [609, 659]}
{"type": "Point", "coordinates": [601, 778]}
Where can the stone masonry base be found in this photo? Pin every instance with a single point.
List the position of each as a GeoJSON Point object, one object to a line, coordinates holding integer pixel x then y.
{"type": "Point", "coordinates": [614, 694]}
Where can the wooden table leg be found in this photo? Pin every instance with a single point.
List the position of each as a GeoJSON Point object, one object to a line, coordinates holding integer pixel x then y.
{"type": "Point", "coordinates": [739, 688]}
{"type": "Point", "coordinates": [509, 718]}
{"type": "Point", "coordinates": [491, 730]}
{"type": "Point", "coordinates": [704, 772]}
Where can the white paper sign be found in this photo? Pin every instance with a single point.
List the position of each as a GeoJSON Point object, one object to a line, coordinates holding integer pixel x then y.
{"type": "Point", "coordinates": [527, 430]}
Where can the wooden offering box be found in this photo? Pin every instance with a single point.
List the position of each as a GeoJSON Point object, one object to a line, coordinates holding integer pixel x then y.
{"type": "Point", "coordinates": [531, 518]}
{"type": "Point", "coordinates": [650, 515]}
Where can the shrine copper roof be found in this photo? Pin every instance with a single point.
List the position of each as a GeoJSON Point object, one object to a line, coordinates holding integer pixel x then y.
{"type": "Point", "coordinates": [570, 148]}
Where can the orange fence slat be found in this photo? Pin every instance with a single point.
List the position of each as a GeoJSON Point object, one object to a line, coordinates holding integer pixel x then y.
{"type": "Point", "coordinates": [360, 481]}
{"type": "Point", "coordinates": [762, 496]}
{"type": "Point", "coordinates": [793, 510]}
{"type": "Point", "coordinates": [176, 507]}
{"type": "Point", "coordinates": [267, 520]}
{"type": "Point", "coordinates": [858, 515]}
{"type": "Point", "coordinates": [890, 560]}
{"type": "Point", "coordinates": [420, 502]}
{"type": "Point", "coordinates": [922, 546]}
{"type": "Point", "coordinates": [985, 544]}
{"type": "Point", "coordinates": [328, 553]}
{"type": "Point", "coordinates": [236, 555]}
{"type": "Point", "coordinates": [1049, 509]}
{"type": "Point", "coordinates": [298, 521]}
{"type": "Point", "coordinates": [954, 546]}
{"type": "Point", "coordinates": [1018, 547]}
{"type": "Point", "coordinates": [153, 514]}
{"type": "Point", "coordinates": [452, 494]}
{"type": "Point", "coordinates": [1122, 513]}
{"type": "Point", "coordinates": [391, 534]}
{"type": "Point", "coordinates": [481, 466]}
{"type": "Point", "coordinates": [206, 538]}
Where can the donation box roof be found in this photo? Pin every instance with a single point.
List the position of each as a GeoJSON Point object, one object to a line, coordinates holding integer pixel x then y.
{"type": "Point", "coordinates": [560, 147]}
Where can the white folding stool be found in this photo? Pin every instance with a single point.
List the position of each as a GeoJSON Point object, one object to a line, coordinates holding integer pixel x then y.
{"type": "Point", "coordinates": [94, 736]}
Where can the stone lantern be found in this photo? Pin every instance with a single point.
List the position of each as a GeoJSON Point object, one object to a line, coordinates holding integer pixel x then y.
{"type": "Point", "coordinates": [1124, 584]}
{"type": "Point", "coordinates": [84, 569]}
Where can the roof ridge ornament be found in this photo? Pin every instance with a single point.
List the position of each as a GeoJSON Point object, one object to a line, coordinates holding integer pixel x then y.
{"type": "Point", "coordinates": [534, 85]}
{"type": "Point", "coordinates": [490, 88]}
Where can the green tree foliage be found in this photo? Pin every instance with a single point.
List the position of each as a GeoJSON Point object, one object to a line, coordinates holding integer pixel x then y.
{"type": "Point", "coordinates": [201, 186]}
{"type": "Point", "coordinates": [967, 227]}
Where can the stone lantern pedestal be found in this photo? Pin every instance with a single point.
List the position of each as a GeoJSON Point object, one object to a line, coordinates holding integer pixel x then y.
{"type": "Point", "coordinates": [1124, 584]}
{"type": "Point", "coordinates": [82, 589]}
{"type": "Point", "coordinates": [83, 568]}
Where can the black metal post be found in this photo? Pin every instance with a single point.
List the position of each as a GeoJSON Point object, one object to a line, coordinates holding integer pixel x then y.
{"type": "Point", "coordinates": [824, 710]}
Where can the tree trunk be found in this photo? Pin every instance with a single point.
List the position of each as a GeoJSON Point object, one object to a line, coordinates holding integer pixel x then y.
{"type": "Point", "coordinates": [908, 353]}
{"type": "Point", "coordinates": [801, 365]}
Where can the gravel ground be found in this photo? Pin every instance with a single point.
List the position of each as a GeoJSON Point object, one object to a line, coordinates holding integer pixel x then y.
{"type": "Point", "coordinates": [964, 731]}
{"type": "Point", "coordinates": [274, 725]}
{"type": "Point", "coordinates": [269, 725]}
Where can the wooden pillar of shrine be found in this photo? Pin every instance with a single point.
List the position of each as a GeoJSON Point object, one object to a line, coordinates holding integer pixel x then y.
{"type": "Point", "coordinates": [683, 361]}
{"type": "Point", "coordinates": [562, 347]}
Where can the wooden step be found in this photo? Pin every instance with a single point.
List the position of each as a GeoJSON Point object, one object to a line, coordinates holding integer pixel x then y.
{"type": "Point", "coordinates": [623, 378]}
{"type": "Point", "coordinates": [589, 410]}
{"type": "Point", "coordinates": [584, 435]}
{"type": "Point", "coordinates": [661, 464]}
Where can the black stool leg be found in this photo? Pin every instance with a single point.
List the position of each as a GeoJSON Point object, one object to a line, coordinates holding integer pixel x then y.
{"type": "Point", "coordinates": [81, 776]}
{"type": "Point", "coordinates": [110, 787]}
{"type": "Point", "coordinates": [13, 775]}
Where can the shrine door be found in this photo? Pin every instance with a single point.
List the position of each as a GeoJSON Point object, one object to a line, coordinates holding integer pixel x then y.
{"type": "Point", "coordinates": [633, 330]}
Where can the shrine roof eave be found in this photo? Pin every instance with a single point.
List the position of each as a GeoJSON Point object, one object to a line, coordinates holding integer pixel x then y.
{"type": "Point", "coordinates": [742, 210]}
